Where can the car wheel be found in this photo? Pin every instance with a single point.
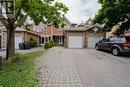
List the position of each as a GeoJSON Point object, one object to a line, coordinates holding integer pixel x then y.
{"type": "Point", "coordinates": [115, 52]}
{"type": "Point", "coordinates": [97, 48]}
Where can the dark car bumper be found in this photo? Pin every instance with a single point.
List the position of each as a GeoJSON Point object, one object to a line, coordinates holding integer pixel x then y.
{"type": "Point", "coordinates": [125, 51]}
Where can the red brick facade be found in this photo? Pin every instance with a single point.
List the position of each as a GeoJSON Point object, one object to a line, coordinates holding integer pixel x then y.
{"type": "Point", "coordinates": [51, 30]}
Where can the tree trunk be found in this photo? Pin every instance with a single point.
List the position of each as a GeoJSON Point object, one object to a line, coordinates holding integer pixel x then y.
{"type": "Point", "coordinates": [104, 34]}
{"type": "Point", "coordinates": [10, 51]}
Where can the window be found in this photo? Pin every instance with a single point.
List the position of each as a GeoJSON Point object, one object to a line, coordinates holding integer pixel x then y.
{"type": "Point", "coordinates": [60, 40]}
{"type": "Point", "coordinates": [128, 38]}
{"type": "Point", "coordinates": [120, 39]}
{"type": "Point", "coordinates": [46, 39]}
{"type": "Point", "coordinates": [45, 28]}
{"type": "Point", "coordinates": [42, 40]}
{"type": "Point", "coordinates": [105, 40]}
{"type": "Point", "coordinates": [39, 28]}
{"type": "Point", "coordinates": [111, 39]}
{"type": "Point", "coordinates": [49, 38]}
{"type": "Point", "coordinates": [117, 39]}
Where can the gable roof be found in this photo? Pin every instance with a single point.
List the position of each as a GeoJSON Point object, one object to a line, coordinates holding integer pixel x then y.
{"type": "Point", "coordinates": [20, 29]}
{"type": "Point", "coordinates": [66, 19]}
{"type": "Point", "coordinates": [87, 22]}
{"type": "Point", "coordinates": [80, 28]}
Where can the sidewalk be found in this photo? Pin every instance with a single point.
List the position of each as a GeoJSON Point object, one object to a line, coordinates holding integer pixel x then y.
{"type": "Point", "coordinates": [3, 52]}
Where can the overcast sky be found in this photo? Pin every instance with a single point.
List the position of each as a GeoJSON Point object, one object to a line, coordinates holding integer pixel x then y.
{"type": "Point", "coordinates": [80, 10]}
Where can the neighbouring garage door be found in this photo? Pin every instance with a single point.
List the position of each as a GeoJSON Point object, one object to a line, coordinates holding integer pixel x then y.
{"type": "Point", "coordinates": [18, 39]}
{"type": "Point", "coordinates": [93, 40]}
{"type": "Point", "coordinates": [75, 42]}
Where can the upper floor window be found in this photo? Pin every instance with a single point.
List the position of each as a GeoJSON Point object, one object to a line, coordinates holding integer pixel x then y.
{"type": "Point", "coordinates": [45, 28]}
{"type": "Point", "coordinates": [40, 28]}
{"type": "Point", "coordinates": [66, 27]}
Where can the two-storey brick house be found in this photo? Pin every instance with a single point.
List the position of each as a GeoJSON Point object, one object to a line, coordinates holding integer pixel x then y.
{"type": "Point", "coordinates": [50, 32]}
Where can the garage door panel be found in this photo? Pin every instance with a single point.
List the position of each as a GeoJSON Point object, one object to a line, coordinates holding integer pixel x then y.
{"type": "Point", "coordinates": [18, 39]}
{"type": "Point", "coordinates": [75, 42]}
{"type": "Point", "coordinates": [92, 41]}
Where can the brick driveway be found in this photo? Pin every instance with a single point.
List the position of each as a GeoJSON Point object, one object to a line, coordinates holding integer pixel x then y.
{"type": "Point", "coordinates": [61, 67]}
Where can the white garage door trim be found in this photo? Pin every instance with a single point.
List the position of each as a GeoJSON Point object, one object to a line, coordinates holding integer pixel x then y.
{"type": "Point", "coordinates": [92, 40]}
{"type": "Point", "coordinates": [75, 42]}
{"type": "Point", "coordinates": [18, 39]}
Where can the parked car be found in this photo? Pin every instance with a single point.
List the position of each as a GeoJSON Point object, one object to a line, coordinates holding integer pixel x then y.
{"type": "Point", "coordinates": [117, 45]}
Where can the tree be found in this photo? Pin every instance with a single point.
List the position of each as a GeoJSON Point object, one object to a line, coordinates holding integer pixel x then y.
{"type": "Point", "coordinates": [112, 13]}
{"type": "Point", "coordinates": [46, 11]}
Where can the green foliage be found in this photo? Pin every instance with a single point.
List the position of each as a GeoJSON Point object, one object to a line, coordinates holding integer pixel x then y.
{"type": "Point", "coordinates": [114, 12]}
{"type": "Point", "coordinates": [21, 75]}
{"type": "Point", "coordinates": [52, 43]}
{"type": "Point", "coordinates": [33, 43]}
{"type": "Point", "coordinates": [49, 44]}
{"type": "Point", "coordinates": [15, 59]}
{"type": "Point", "coordinates": [40, 11]}
{"type": "Point", "coordinates": [46, 11]}
{"type": "Point", "coordinates": [119, 32]}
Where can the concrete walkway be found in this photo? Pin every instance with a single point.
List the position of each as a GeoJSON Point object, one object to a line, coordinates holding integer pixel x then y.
{"type": "Point", "coordinates": [56, 69]}
{"type": "Point", "coordinates": [3, 52]}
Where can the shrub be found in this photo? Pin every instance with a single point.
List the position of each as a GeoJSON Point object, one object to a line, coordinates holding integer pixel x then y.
{"type": "Point", "coordinates": [49, 44]}
{"type": "Point", "coordinates": [52, 42]}
{"type": "Point", "coordinates": [33, 43]}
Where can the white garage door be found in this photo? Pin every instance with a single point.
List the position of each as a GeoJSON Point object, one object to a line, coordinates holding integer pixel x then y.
{"type": "Point", "coordinates": [18, 39]}
{"type": "Point", "coordinates": [92, 41]}
{"type": "Point", "coordinates": [75, 42]}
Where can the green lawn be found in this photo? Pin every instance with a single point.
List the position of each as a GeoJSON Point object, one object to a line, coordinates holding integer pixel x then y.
{"type": "Point", "coordinates": [23, 75]}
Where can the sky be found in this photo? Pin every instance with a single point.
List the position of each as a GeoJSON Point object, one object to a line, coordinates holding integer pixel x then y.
{"type": "Point", "coordinates": [80, 10]}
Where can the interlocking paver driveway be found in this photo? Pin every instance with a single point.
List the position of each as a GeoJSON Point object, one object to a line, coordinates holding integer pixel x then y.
{"type": "Point", "coordinates": [56, 69]}
{"type": "Point", "coordinates": [61, 67]}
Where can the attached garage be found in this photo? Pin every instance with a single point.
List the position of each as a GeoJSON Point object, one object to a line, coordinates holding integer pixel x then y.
{"type": "Point", "coordinates": [92, 41]}
{"type": "Point", "coordinates": [82, 37]}
{"type": "Point", "coordinates": [21, 35]}
{"type": "Point", "coordinates": [75, 42]}
{"type": "Point", "coordinates": [93, 38]}
{"type": "Point", "coordinates": [18, 40]}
